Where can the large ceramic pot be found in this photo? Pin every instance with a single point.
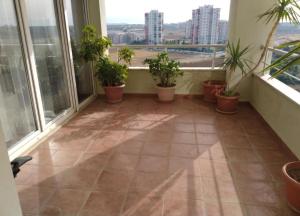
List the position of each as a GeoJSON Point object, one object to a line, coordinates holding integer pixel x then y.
{"type": "Point", "coordinates": [114, 94]}
{"type": "Point", "coordinates": [227, 105]}
{"type": "Point", "coordinates": [210, 88]}
{"type": "Point", "coordinates": [166, 94]}
{"type": "Point", "coordinates": [292, 186]}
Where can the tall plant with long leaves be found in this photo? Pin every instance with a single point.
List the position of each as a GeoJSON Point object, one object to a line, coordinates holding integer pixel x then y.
{"type": "Point", "coordinates": [281, 11]}
{"type": "Point", "coordinates": [286, 61]}
{"type": "Point", "coordinates": [234, 60]}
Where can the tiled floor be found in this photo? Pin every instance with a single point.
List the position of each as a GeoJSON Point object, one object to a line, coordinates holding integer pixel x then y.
{"type": "Point", "coordinates": [145, 158]}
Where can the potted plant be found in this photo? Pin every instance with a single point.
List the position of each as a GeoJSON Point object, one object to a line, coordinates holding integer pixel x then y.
{"type": "Point", "coordinates": [291, 174]}
{"type": "Point", "coordinates": [164, 71]}
{"type": "Point", "coordinates": [112, 75]}
{"type": "Point", "coordinates": [211, 87]}
{"type": "Point", "coordinates": [227, 100]}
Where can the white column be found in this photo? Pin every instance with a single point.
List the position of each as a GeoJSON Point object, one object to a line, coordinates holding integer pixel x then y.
{"type": "Point", "coordinates": [9, 200]}
{"type": "Point", "coordinates": [97, 17]}
{"type": "Point", "coordinates": [244, 25]}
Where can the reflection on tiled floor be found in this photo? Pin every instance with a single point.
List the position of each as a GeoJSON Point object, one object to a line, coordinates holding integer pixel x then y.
{"type": "Point", "coordinates": [145, 158]}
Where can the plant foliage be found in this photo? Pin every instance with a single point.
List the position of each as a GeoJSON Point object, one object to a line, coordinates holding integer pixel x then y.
{"type": "Point", "coordinates": [288, 60]}
{"type": "Point", "coordinates": [281, 11]}
{"type": "Point", "coordinates": [93, 46]}
{"type": "Point", "coordinates": [111, 73]}
{"type": "Point", "coordinates": [108, 72]}
{"type": "Point", "coordinates": [235, 59]}
{"type": "Point", "coordinates": [163, 70]}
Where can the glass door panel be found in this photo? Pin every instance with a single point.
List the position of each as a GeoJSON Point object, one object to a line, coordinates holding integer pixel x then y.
{"type": "Point", "coordinates": [83, 74]}
{"type": "Point", "coordinates": [47, 46]}
{"type": "Point", "coordinates": [16, 109]}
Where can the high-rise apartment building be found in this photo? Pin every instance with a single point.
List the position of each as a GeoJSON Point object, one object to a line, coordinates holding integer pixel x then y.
{"type": "Point", "coordinates": [223, 31]}
{"type": "Point", "coordinates": [188, 29]}
{"type": "Point", "coordinates": [154, 21]}
{"type": "Point", "coordinates": [205, 25]}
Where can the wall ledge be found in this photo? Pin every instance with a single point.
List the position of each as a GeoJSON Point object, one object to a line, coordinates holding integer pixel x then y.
{"type": "Point", "coordinates": [217, 69]}
{"type": "Point", "coordinates": [280, 87]}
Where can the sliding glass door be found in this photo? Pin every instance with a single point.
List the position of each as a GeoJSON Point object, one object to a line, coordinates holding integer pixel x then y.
{"type": "Point", "coordinates": [83, 74]}
{"type": "Point", "coordinates": [37, 82]}
{"type": "Point", "coordinates": [48, 51]}
{"type": "Point", "coordinates": [16, 107]}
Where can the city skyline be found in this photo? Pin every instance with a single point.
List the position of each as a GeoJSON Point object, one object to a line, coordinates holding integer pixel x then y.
{"type": "Point", "coordinates": [174, 13]}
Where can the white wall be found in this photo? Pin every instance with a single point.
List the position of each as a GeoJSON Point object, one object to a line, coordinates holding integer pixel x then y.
{"type": "Point", "coordinates": [279, 108]}
{"type": "Point", "coordinates": [9, 201]}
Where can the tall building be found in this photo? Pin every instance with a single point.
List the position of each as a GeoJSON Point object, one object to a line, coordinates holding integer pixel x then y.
{"type": "Point", "coordinates": [205, 24]}
{"type": "Point", "coordinates": [223, 31]}
{"type": "Point", "coordinates": [188, 29]}
{"type": "Point", "coordinates": [154, 21]}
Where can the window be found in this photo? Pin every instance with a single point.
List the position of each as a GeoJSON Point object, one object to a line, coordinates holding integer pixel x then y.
{"type": "Point", "coordinates": [16, 109]}
{"type": "Point", "coordinates": [190, 37]}
{"type": "Point", "coordinates": [47, 45]}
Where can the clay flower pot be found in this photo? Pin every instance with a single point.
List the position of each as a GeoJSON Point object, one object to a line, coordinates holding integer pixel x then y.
{"type": "Point", "coordinates": [166, 94]}
{"type": "Point", "coordinates": [114, 94]}
{"type": "Point", "coordinates": [227, 105]}
{"type": "Point", "coordinates": [210, 88]}
{"type": "Point", "coordinates": [292, 186]}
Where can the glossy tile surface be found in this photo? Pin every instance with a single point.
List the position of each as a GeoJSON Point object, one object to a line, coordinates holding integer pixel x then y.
{"type": "Point", "coordinates": [146, 158]}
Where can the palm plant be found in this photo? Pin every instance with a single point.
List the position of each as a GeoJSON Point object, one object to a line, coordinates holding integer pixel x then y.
{"type": "Point", "coordinates": [286, 61]}
{"type": "Point", "coordinates": [235, 59]}
{"type": "Point", "coordinates": [281, 11]}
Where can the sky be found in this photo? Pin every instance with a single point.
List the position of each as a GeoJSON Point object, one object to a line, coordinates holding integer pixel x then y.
{"type": "Point", "coordinates": [132, 11]}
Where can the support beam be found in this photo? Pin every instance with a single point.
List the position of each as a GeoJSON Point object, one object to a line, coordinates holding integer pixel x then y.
{"type": "Point", "coordinates": [9, 200]}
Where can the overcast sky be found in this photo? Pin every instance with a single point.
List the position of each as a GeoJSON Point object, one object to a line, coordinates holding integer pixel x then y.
{"type": "Point", "coordinates": [132, 11]}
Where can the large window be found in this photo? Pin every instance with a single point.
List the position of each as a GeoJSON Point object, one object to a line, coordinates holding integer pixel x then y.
{"type": "Point", "coordinates": [16, 112]}
{"type": "Point", "coordinates": [83, 74]}
{"type": "Point", "coordinates": [193, 33]}
{"type": "Point", "coordinates": [45, 34]}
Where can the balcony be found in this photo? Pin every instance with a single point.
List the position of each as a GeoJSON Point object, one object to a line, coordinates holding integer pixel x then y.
{"type": "Point", "coordinates": [142, 157]}
{"type": "Point", "coordinates": [139, 157]}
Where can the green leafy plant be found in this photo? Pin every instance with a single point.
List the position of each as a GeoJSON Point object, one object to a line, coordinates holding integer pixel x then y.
{"type": "Point", "coordinates": [235, 59]}
{"type": "Point", "coordinates": [281, 11]}
{"type": "Point", "coordinates": [288, 60]}
{"type": "Point", "coordinates": [93, 49]}
{"type": "Point", "coordinates": [164, 70]}
{"type": "Point", "coordinates": [92, 46]}
{"type": "Point", "coordinates": [111, 73]}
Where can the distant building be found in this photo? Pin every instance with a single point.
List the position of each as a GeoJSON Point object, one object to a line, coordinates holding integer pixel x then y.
{"type": "Point", "coordinates": [223, 31]}
{"type": "Point", "coordinates": [188, 29]}
{"type": "Point", "coordinates": [205, 24]}
{"type": "Point", "coordinates": [154, 27]}
{"type": "Point", "coordinates": [124, 37]}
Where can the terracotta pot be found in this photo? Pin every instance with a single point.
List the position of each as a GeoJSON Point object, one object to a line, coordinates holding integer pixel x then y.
{"type": "Point", "coordinates": [166, 94]}
{"type": "Point", "coordinates": [114, 94]}
{"type": "Point", "coordinates": [210, 88]}
{"type": "Point", "coordinates": [292, 187]}
{"type": "Point", "coordinates": [227, 105]}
